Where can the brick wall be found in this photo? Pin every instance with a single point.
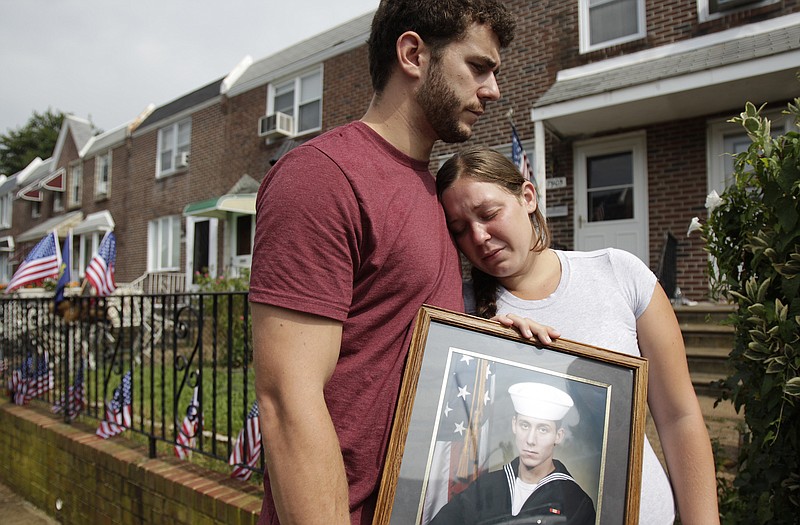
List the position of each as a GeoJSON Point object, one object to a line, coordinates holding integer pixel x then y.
{"type": "Point", "coordinates": [112, 481]}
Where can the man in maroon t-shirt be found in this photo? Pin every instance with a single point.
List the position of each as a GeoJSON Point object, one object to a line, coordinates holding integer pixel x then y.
{"type": "Point", "coordinates": [350, 242]}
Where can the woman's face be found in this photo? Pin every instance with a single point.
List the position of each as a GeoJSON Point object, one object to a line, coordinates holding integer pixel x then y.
{"type": "Point", "coordinates": [491, 226]}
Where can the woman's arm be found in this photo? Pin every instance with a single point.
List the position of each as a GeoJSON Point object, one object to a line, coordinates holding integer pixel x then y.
{"type": "Point", "coordinates": [676, 412]}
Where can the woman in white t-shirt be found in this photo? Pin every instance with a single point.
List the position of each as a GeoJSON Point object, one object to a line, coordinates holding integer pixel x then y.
{"type": "Point", "coordinates": [517, 279]}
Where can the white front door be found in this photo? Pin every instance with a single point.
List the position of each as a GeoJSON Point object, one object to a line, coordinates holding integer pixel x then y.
{"type": "Point", "coordinates": [611, 194]}
{"type": "Point", "coordinates": [201, 247]}
{"type": "Point", "coordinates": [242, 232]}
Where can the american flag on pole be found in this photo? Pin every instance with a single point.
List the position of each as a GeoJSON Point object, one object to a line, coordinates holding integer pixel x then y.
{"type": "Point", "coordinates": [64, 271]}
{"type": "Point", "coordinates": [189, 428]}
{"type": "Point", "coordinates": [100, 271]}
{"type": "Point", "coordinates": [247, 448]}
{"type": "Point", "coordinates": [118, 410]}
{"type": "Point", "coordinates": [518, 155]}
{"type": "Point", "coordinates": [75, 399]}
{"type": "Point", "coordinates": [18, 382]}
{"type": "Point", "coordinates": [29, 383]}
{"type": "Point", "coordinates": [461, 448]}
{"type": "Point", "coordinates": [42, 262]}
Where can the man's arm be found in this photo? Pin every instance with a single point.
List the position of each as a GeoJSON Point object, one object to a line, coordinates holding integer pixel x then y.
{"type": "Point", "coordinates": [294, 356]}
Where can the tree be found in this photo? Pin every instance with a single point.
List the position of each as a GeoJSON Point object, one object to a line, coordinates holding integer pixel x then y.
{"type": "Point", "coordinates": [37, 138]}
{"type": "Point", "coordinates": [753, 235]}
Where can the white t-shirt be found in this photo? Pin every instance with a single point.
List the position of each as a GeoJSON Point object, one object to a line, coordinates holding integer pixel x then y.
{"type": "Point", "coordinates": [612, 288]}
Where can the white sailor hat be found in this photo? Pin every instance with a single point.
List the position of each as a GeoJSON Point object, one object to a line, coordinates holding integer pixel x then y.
{"type": "Point", "coordinates": [540, 401]}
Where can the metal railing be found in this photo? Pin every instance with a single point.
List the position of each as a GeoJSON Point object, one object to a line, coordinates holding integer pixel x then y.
{"type": "Point", "coordinates": [170, 344]}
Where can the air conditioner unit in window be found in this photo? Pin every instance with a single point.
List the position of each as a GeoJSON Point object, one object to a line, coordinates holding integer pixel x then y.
{"type": "Point", "coordinates": [183, 160]}
{"type": "Point", "coordinates": [276, 125]}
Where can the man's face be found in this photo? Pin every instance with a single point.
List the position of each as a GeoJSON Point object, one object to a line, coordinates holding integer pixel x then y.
{"type": "Point", "coordinates": [458, 84]}
{"type": "Point", "coordinates": [535, 439]}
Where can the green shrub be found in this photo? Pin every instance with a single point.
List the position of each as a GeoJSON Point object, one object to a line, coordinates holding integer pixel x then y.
{"type": "Point", "coordinates": [753, 237]}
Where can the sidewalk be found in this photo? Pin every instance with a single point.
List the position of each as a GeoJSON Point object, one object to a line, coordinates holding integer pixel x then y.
{"type": "Point", "coordinates": [14, 510]}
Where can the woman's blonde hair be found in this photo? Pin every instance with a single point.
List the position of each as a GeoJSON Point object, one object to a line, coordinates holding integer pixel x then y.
{"type": "Point", "coordinates": [487, 165]}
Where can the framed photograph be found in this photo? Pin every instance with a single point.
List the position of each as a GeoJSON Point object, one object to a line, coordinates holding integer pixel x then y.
{"type": "Point", "coordinates": [494, 428]}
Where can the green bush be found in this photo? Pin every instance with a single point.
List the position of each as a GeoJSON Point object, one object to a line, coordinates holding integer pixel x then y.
{"type": "Point", "coordinates": [217, 322]}
{"type": "Point", "coordinates": [753, 237]}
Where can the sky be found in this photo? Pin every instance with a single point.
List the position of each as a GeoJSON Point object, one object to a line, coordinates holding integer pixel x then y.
{"type": "Point", "coordinates": [107, 60]}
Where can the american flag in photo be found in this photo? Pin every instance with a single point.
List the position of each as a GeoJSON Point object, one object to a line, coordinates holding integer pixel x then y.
{"type": "Point", "coordinates": [187, 433]}
{"type": "Point", "coordinates": [247, 448]}
{"type": "Point", "coordinates": [75, 399]}
{"type": "Point", "coordinates": [118, 410]}
{"type": "Point", "coordinates": [461, 448]}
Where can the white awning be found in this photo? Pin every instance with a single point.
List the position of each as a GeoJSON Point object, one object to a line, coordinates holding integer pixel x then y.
{"type": "Point", "coordinates": [100, 221]}
{"type": "Point", "coordinates": [219, 207]}
{"type": "Point", "coordinates": [61, 224]}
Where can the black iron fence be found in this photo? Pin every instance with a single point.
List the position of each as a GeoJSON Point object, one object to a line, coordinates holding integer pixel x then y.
{"type": "Point", "coordinates": [187, 359]}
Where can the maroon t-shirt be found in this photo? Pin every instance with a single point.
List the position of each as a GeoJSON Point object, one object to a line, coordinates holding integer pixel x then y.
{"type": "Point", "coordinates": [349, 228]}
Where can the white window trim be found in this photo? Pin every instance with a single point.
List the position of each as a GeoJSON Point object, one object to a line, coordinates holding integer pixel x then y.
{"type": "Point", "coordinates": [153, 259]}
{"type": "Point", "coordinates": [84, 255]}
{"type": "Point", "coordinates": [58, 201]}
{"type": "Point", "coordinates": [717, 131]}
{"type": "Point", "coordinates": [97, 162]}
{"type": "Point", "coordinates": [75, 174]}
{"type": "Point", "coordinates": [296, 79]}
{"type": "Point", "coordinates": [36, 209]}
{"type": "Point", "coordinates": [174, 126]}
{"type": "Point", "coordinates": [583, 24]}
{"type": "Point", "coordinates": [6, 210]}
{"type": "Point", "coordinates": [704, 13]}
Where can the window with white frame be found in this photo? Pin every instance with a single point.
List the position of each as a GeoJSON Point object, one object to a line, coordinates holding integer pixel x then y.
{"type": "Point", "coordinates": [5, 267]}
{"type": "Point", "coordinates": [174, 145]}
{"type": "Point", "coordinates": [84, 247]}
{"type": "Point", "coordinates": [75, 185]}
{"type": "Point", "coordinates": [605, 23]}
{"type": "Point", "coordinates": [164, 244]}
{"type": "Point", "coordinates": [58, 201]}
{"type": "Point", "coordinates": [102, 175]}
{"type": "Point", "coordinates": [711, 9]}
{"type": "Point", "coordinates": [6, 206]}
{"type": "Point", "coordinates": [300, 98]}
{"type": "Point", "coordinates": [36, 209]}
{"type": "Point", "coordinates": [725, 140]}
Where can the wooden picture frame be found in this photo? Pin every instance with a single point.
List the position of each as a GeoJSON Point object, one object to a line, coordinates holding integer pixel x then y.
{"type": "Point", "coordinates": [604, 429]}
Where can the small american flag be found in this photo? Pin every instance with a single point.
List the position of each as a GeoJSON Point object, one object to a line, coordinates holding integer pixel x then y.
{"type": "Point", "coordinates": [29, 384]}
{"type": "Point", "coordinates": [518, 155]}
{"type": "Point", "coordinates": [118, 410]}
{"type": "Point", "coordinates": [75, 399]}
{"type": "Point", "coordinates": [247, 448]}
{"type": "Point", "coordinates": [42, 262]}
{"type": "Point", "coordinates": [100, 271]}
{"type": "Point", "coordinates": [187, 433]}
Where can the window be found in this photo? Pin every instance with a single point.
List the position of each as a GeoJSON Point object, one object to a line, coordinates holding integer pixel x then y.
{"type": "Point", "coordinates": [725, 139]}
{"type": "Point", "coordinates": [6, 205]}
{"type": "Point", "coordinates": [301, 98]}
{"type": "Point", "coordinates": [605, 23]}
{"type": "Point", "coordinates": [36, 209]}
{"type": "Point", "coordinates": [58, 201]}
{"type": "Point", "coordinates": [5, 268]}
{"type": "Point", "coordinates": [164, 244]}
{"type": "Point", "coordinates": [83, 248]}
{"type": "Point", "coordinates": [711, 9]}
{"type": "Point", "coordinates": [102, 175]}
{"type": "Point", "coordinates": [75, 185]}
{"type": "Point", "coordinates": [173, 141]}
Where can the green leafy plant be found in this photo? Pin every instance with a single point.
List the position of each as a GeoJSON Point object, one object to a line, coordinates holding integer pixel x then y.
{"type": "Point", "coordinates": [753, 237]}
{"type": "Point", "coordinates": [225, 313]}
